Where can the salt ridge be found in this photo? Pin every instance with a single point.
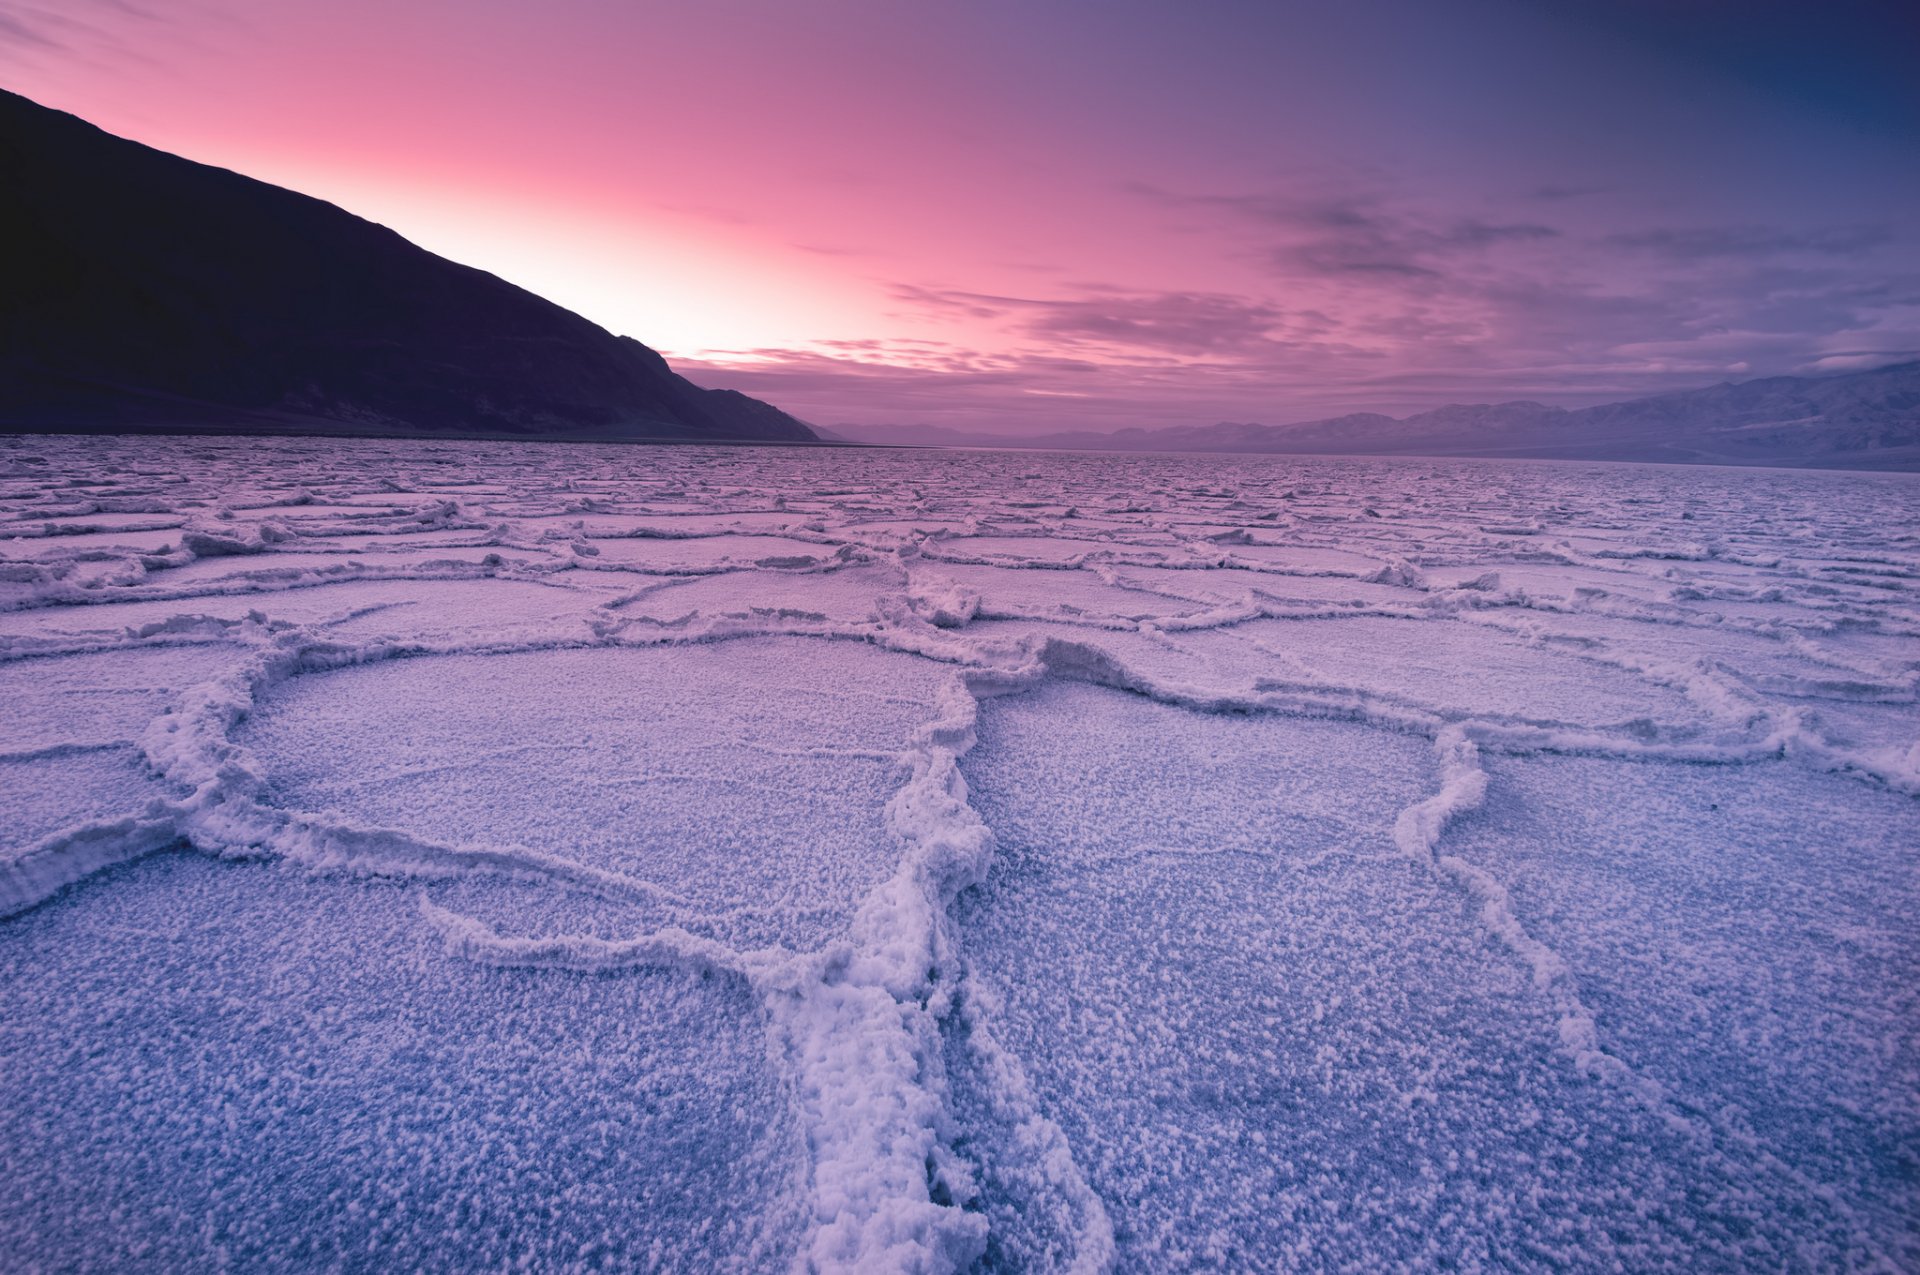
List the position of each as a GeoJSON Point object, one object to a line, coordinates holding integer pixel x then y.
{"type": "Point", "coordinates": [862, 1021]}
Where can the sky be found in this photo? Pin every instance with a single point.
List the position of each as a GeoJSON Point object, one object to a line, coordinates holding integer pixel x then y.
{"type": "Point", "coordinates": [1022, 217]}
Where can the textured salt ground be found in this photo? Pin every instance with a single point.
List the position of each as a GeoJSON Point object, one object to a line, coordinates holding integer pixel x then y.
{"type": "Point", "coordinates": [846, 594]}
{"type": "Point", "coordinates": [705, 770]}
{"type": "Point", "coordinates": [1293, 557]}
{"type": "Point", "coordinates": [346, 560]}
{"type": "Point", "coordinates": [1273, 1042]}
{"type": "Point", "coordinates": [1744, 652]}
{"type": "Point", "coordinates": [1746, 935]}
{"type": "Point", "coordinates": [1895, 650]}
{"type": "Point", "coordinates": [894, 529]}
{"type": "Point", "coordinates": [367, 539]}
{"type": "Point", "coordinates": [215, 1065]}
{"type": "Point", "coordinates": [1892, 726]}
{"type": "Point", "coordinates": [1003, 590]}
{"type": "Point", "coordinates": [43, 794]}
{"type": "Point", "coordinates": [1039, 548]}
{"type": "Point", "coordinates": [1562, 583]}
{"type": "Point", "coordinates": [100, 521]}
{"type": "Point", "coordinates": [1108, 1052]}
{"type": "Point", "coordinates": [1461, 669]}
{"type": "Point", "coordinates": [426, 608]}
{"type": "Point", "coordinates": [1218, 585]}
{"type": "Point", "coordinates": [707, 552]}
{"type": "Point", "coordinates": [343, 516]}
{"type": "Point", "coordinates": [101, 697]}
{"type": "Point", "coordinates": [413, 606]}
{"type": "Point", "coordinates": [52, 545]}
{"type": "Point", "coordinates": [1441, 667]}
{"type": "Point", "coordinates": [611, 526]}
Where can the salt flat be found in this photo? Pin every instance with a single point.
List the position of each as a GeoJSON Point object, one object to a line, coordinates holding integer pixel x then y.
{"type": "Point", "coordinates": [461, 855]}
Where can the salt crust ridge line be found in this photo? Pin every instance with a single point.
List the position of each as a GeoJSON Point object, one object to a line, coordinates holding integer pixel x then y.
{"type": "Point", "coordinates": [1417, 833]}
{"type": "Point", "coordinates": [918, 616]}
{"type": "Point", "coordinates": [215, 539]}
{"type": "Point", "coordinates": [951, 605]}
{"type": "Point", "coordinates": [862, 1019]}
{"type": "Point", "coordinates": [911, 623]}
{"type": "Point", "coordinates": [1897, 767]}
{"type": "Point", "coordinates": [862, 1022]}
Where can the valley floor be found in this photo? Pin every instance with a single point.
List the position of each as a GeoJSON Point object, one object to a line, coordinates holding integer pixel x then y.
{"type": "Point", "coordinates": [458, 856]}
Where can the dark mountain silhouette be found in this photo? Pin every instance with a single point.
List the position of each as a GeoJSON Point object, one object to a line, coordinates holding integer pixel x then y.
{"type": "Point", "coordinates": [142, 290]}
{"type": "Point", "coordinates": [1853, 420]}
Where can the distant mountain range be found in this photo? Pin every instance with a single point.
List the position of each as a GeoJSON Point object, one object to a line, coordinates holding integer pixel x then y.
{"type": "Point", "coordinates": [1853, 420]}
{"type": "Point", "coordinates": [140, 290]}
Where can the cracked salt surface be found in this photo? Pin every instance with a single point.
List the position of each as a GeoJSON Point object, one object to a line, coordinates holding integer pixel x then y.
{"type": "Point", "coordinates": [460, 855]}
{"type": "Point", "coordinates": [754, 803]}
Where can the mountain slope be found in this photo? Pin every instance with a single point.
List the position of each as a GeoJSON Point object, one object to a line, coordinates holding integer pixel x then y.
{"type": "Point", "coordinates": [139, 289]}
{"type": "Point", "coordinates": [1858, 420]}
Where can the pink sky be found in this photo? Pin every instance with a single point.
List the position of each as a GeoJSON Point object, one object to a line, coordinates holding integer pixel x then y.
{"type": "Point", "coordinates": [1072, 215]}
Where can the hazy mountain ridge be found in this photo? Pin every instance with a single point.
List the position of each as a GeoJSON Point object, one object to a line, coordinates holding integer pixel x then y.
{"type": "Point", "coordinates": [142, 290]}
{"type": "Point", "coordinates": [1867, 419]}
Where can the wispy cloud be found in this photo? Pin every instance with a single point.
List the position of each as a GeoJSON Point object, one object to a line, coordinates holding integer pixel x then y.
{"type": "Point", "coordinates": [1191, 324]}
{"type": "Point", "coordinates": [29, 28]}
{"type": "Point", "coordinates": [104, 34]}
{"type": "Point", "coordinates": [1359, 299]}
{"type": "Point", "coordinates": [1356, 232]}
{"type": "Point", "coordinates": [1695, 242]}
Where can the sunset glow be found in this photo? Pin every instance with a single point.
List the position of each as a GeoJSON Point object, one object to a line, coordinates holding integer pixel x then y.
{"type": "Point", "coordinates": [1124, 216]}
